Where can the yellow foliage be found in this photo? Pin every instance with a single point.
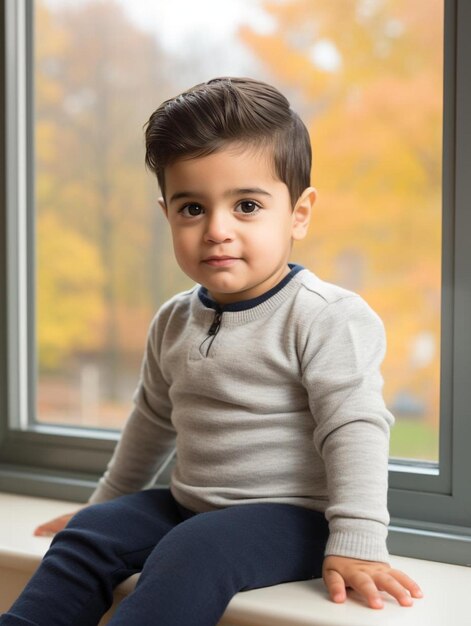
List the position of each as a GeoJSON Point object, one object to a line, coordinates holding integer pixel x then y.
{"type": "Point", "coordinates": [375, 123]}
{"type": "Point", "coordinates": [70, 309]}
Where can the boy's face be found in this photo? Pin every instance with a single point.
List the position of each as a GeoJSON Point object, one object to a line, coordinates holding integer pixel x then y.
{"type": "Point", "coordinates": [232, 222]}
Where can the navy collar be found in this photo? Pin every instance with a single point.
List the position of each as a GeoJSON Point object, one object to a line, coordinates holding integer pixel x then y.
{"type": "Point", "coordinates": [243, 305]}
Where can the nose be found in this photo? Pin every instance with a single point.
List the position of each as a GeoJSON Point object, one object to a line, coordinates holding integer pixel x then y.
{"type": "Point", "coordinates": [218, 228]}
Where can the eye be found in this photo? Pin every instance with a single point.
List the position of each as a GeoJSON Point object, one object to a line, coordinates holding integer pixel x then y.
{"type": "Point", "coordinates": [248, 207]}
{"type": "Point", "coordinates": [191, 210]}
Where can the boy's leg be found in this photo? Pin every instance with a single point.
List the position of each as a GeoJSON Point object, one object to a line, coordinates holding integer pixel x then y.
{"type": "Point", "coordinates": [196, 569]}
{"type": "Point", "coordinates": [101, 546]}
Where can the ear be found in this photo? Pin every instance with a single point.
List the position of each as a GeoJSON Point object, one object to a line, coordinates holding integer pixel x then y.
{"type": "Point", "coordinates": [302, 213]}
{"type": "Point", "coordinates": [163, 206]}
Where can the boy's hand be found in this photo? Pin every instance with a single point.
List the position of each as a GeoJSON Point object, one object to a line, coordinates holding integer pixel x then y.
{"type": "Point", "coordinates": [367, 578]}
{"type": "Point", "coordinates": [54, 526]}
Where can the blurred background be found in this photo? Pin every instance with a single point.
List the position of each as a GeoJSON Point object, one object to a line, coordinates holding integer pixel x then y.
{"type": "Point", "coordinates": [366, 76]}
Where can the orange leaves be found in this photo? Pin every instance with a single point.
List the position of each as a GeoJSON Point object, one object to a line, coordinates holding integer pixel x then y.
{"type": "Point", "coordinates": [376, 126]}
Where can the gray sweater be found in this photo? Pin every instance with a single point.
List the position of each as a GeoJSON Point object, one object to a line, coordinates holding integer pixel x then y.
{"type": "Point", "coordinates": [283, 404]}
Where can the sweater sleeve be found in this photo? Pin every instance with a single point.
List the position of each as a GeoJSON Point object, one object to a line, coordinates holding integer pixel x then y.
{"type": "Point", "coordinates": [148, 438]}
{"type": "Point", "coordinates": [341, 363]}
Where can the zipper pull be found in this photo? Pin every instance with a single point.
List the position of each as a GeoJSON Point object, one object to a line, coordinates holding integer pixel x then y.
{"type": "Point", "coordinates": [215, 326]}
{"type": "Point", "coordinates": [212, 332]}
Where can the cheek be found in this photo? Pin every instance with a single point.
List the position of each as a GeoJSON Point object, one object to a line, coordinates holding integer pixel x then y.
{"type": "Point", "coordinates": [272, 240]}
{"type": "Point", "coordinates": [184, 247]}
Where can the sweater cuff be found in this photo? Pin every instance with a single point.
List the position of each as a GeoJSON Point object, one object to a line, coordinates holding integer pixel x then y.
{"type": "Point", "coordinates": [367, 546]}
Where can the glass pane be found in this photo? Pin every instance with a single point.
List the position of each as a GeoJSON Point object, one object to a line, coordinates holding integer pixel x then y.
{"type": "Point", "coordinates": [365, 75]}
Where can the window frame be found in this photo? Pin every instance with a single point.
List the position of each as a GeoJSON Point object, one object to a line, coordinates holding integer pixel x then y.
{"type": "Point", "coordinates": [62, 462]}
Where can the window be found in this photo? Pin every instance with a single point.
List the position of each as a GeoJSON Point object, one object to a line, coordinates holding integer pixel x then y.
{"type": "Point", "coordinates": [88, 252]}
{"type": "Point", "coordinates": [103, 253]}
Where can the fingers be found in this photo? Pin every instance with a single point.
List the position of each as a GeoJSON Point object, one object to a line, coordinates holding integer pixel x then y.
{"type": "Point", "coordinates": [53, 526]}
{"type": "Point", "coordinates": [364, 584]}
{"type": "Point", "coordinates": [48, 529]}
{"type": "Point", "coordinates": [360, 582]}
{"type": "Point", "coordinates": [386, 582]}
{"type": "Point", "coordinates": [370, 583]}
{"type": "Point", "coordinates": [335, 585]}
{"type": "Point", "coordinates": [407, 582]}
{"type": "Point", "coordinates": [395, 583]}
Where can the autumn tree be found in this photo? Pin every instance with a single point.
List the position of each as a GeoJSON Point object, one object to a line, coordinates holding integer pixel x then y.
{"type": "Point", "coordinates": [98, 77]}
{"type": "Point", "coordinates": [367, 79]}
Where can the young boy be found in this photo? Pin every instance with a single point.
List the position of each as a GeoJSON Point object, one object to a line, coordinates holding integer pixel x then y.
{"type": "Point", "coordinates": [265, 379]}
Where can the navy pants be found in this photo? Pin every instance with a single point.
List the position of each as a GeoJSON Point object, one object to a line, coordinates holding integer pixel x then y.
{"type": "Point", "coordinates": [192, 564]}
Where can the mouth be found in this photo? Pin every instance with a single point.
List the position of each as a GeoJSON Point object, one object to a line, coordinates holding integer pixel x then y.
{"type": "Point", "coordinates": [220, 261]}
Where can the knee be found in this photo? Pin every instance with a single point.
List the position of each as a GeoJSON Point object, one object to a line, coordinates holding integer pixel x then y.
{"type": "Point", "coordinates": [97, 520]}
{"type": "Point", "coordinates": [82, 546]}
{"type": "Point", "coordinates": [82, 518]}
{"type": "Point", "coordinates": [87, 530]}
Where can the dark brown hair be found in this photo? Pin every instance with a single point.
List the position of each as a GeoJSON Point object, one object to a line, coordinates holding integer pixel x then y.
{"type": "Point", "coordinates": [207, 117]}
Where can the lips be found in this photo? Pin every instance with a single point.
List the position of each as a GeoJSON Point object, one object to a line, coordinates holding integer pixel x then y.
{"type": "Point", "coordinates": [220, 261]}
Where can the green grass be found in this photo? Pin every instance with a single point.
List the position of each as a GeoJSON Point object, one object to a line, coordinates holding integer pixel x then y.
{"type": "Point", "coordinates": [412, 439]}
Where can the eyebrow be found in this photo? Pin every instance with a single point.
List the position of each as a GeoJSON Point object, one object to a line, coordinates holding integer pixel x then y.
{"type": "Point", "coordinates": [230, 192]}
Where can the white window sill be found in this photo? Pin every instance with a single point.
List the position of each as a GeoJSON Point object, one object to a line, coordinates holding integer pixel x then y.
{"type": "Point", "coordinates": [446, 587]}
